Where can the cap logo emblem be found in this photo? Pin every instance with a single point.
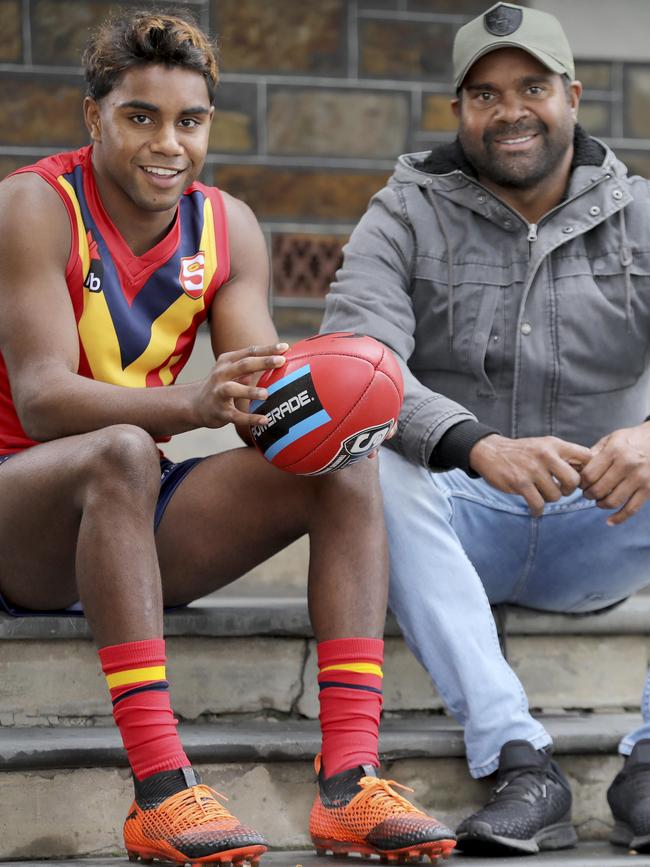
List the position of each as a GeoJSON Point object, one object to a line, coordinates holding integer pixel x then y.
{"type": "Point", "coordinates": [503, 20]}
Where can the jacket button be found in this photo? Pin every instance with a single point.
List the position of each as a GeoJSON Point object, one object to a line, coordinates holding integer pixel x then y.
{"type": "Point", "coordinates": [526, 328]}
{"type": "Point", "coordinates": [481, 198]}
{"type": "Point", "coordinates": [594, 210]}
{"type": "Point", "coordinates": [567, 230]}
{"type": "Point", "coordinates": [617, 194]}
{"type": "Point", "coordinates": [507, 224]}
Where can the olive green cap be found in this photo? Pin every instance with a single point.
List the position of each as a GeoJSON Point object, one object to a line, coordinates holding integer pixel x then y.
{"type": "Point", "coordinates": [506, 25]}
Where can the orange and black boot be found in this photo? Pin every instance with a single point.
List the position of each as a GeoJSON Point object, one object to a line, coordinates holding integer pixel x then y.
{"type": "Point", "coordinates": [356, 811]}
{"type": "Point", "coordinates": [175, 818]}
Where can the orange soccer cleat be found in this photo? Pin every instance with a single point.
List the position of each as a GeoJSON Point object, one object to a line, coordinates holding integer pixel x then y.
{"type": "Point", "coordinates": [355, 811]}
{"type": "Point", "coordinates": [186, 826]}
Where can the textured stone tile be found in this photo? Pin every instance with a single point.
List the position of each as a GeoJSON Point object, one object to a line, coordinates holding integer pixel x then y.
{"type": "Point", "coordinates": [596, 76]}
{"type": "Point", "coordinates": [437, 115]}
{"type": "Point", "coordinates": [406, 685]}
{"type": "Point", "coordinates": [636, 101]}
{"type": "Point", "coordinates": [81, 812]}
{"type": "Point", "coordinates": [596, 117]}
{"type": "Point", "coordinates": [303, 264]}
{"type": "Point", "coordinates": [579, 671]}
{"type": "Point", "coordinates": [66, 680]}
{"type": "Point", "coordinates": [301, 194]}
{"type": "Point", "coordinates": [234, 128]}
{"type": "Point", "coordinates": [11, 41]}
{"type": "Point", "coordinates": [281, 36]}
{"type": "Point", "coordinates": [405, 49]}
{"type": "Point", "coordinates": [36, 112]}
{"type": "Point", "coordinates": [323, 122]}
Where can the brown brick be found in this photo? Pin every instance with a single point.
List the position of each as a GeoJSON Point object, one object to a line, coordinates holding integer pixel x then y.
{"type": "Point", "coordinates": [304, 265]}
{"type": "Point", "coordinates": [11, 42]}
{"type": "Point", "coordinates": [234, 129]}
{"type": "Point", "coordinates": [595, 117]}
{"type": "Point", "coordinates": [437, 115]}
{"type": "Point", "coordinates": [297, 321]}
{"type": "Point", "coordinates": [452, 7]}
{"type": "Point", "coordinates": [337, 122]}
{"type": "Point", "coordinates": [405, 49]}
{"type": "Point", "coordinates": [594, 76]}
{"type": "Point", "coordinates": [638, 162]}
{"type": "Point", "coordinates": [60, 29]}
{"type": "Point", "coordinates": [10, 164]}
{"type": "Point", "coordinates": [41, 112]}
{"type": "Point", "coordinates": [637, 99]}
{"type": "Point", "coordinates": [281, 35]}
{"type": "Point", "coordinates": [301, 194]}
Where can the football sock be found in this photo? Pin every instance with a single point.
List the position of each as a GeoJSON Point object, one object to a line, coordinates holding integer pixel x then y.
{"type": "Point", "coordinates": [349, 677]}
{"type": "Point", "coordinates": [135, 674]}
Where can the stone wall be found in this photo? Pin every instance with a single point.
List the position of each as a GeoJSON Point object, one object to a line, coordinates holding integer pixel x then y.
{"type": "Point", "coordinates": [317, 99]}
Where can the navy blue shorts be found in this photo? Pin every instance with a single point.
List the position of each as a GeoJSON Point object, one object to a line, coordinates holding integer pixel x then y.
{"type": "Point", "coordinates": [171, 475]}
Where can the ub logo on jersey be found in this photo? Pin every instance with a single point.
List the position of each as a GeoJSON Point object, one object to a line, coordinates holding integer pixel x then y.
{"type": "Point", "coordinates": [93, 281]}
{"type": "Point", "coordinates": [192, 274]}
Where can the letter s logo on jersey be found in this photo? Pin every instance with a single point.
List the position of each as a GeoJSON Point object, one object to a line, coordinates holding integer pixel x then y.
{"type": "Point", "coordinates": [192, 273]}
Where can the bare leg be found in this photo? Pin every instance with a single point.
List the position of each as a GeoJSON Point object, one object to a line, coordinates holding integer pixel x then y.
{"type": "Point", "coordinates": [234, 510]}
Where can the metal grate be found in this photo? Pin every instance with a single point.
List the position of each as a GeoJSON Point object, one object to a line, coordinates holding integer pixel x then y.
{"type": "Point", "coordinates": [304, 265]}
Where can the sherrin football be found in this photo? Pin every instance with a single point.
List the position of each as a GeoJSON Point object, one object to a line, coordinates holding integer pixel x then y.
{"type": "Point", "coordinates": [333, 402]}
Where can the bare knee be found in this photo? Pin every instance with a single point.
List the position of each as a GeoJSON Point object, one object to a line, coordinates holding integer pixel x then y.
{"type": "Point", "coordinates": [120, 461]}
{"type": "Point", "coordinates": [353, 491]}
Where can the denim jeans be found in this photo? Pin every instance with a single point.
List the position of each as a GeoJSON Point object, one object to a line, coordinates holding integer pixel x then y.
{"type": "Point", "coordinates": [458, 545]}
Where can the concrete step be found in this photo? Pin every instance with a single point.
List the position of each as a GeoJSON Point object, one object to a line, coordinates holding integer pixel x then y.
{"type": "Point", "coordinates": [74, 785]}
{"type": "Point", "coordinates": [586, 855]}
{"type": "Point", "coordinates": [231, 655]}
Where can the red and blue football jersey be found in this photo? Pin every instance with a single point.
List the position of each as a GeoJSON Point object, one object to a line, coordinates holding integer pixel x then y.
{"type": "Point", "coordinates": [137, 316]}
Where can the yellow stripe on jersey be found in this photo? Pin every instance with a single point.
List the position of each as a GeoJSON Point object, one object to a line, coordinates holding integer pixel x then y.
{"type": "Point", "coordinates": [99, 340]}
{"type": "Point", "coordinates": [135, 675]}
{"type": "Point", "coordinates": [84, 251]}
{"type": "Point", "coordinates": [357, 667]}
{"type": "Point", "coordinates": [166, 373]}
{"type": "Point", "coordinates": [208, 243]}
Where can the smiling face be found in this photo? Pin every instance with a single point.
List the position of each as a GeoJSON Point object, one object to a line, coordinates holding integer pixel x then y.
{"type": "Point", "coordinates": [516, 120]}
{"type": "Point", "coordinates": [150, 138]}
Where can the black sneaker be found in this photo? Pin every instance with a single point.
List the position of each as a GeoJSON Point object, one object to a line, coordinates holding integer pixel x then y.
{"type": "Point", "coordinates": [529, 810]}
{"type": "Point", "coordinates": [629, 800]}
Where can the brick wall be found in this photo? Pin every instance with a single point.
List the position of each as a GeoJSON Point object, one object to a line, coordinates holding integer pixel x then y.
{"type": "Point", "coordinates": [317, 99]}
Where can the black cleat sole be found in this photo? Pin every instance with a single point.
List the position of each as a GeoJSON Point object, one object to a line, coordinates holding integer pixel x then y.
{"type": "Point", "coordinates": [482, 842]}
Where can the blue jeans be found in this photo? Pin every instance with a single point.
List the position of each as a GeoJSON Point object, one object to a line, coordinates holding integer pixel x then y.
{"type": "Point", "coordinates": [458, 545]}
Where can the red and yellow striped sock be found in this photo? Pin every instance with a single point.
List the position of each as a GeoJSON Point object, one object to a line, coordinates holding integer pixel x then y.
{"type": "Point", "coordinates": [349, 677]}
{"type": "Point", "coordinates": [135, 674]}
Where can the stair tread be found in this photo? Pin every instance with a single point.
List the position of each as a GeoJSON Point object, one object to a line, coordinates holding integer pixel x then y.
{"type": "Point", "coordinates": [585, 855]}
{"type": "Point", "coordinates": [228, 616]}
{"type": "Point", "coordinates": [289, 740]}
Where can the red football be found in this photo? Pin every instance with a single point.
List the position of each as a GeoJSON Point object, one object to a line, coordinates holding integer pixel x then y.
{"type": "Point", "coordinates": [334, 401]}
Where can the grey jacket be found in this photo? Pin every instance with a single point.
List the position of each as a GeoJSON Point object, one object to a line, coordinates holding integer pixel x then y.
{"type": "Point", "coordinates": [531, 329]}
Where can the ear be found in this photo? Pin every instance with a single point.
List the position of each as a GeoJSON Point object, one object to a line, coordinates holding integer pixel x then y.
{"type": "Point", "coordinates": [455, 106]}
{"type": "Point", "coordinates": [92, 117]}
{"type": "Point", "coordinates": [573, 94]}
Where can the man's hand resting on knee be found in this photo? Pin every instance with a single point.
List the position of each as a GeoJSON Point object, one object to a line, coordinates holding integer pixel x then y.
{"type": "Point", "coordinates": [618, 475]}
{"type": "Point", "coordinates": [540, 469]}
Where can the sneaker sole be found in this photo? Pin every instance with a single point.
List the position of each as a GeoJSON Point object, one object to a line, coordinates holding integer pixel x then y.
{"type": "Point", "coordinates": [440, 849]}
{"type": "Point", "coordinates": [623, 835]}
{"type": "Point", "coordinates": [484, 842]}
{"type": "Point", "coordinates": [248, 854]}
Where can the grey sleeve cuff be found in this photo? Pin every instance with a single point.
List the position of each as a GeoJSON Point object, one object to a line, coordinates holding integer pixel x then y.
{"type": "Point", "coordinates": [455, 445]}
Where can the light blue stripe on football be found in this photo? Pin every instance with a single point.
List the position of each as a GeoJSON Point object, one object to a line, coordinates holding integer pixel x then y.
{"type": "Point", "coordinates": [298, 430]}
{"type": "Point", "coordinates": [302, 371]}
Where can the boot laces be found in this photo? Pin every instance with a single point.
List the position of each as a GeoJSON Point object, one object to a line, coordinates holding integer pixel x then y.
{"type": "Point", "coordinates": [521, 784]}
{"type": "Point", "coordinates": [381, 795]}
{"type": "Point", "coordinates": [197, 804]}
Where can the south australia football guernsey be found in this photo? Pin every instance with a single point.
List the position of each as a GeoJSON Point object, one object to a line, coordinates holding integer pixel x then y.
{"type": "Point", "coordinates": [137, 316]}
